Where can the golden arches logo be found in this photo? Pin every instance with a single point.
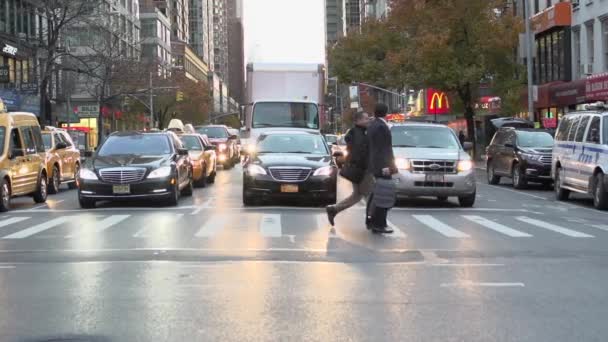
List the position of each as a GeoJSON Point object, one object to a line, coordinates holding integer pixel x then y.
{"type": "Point", "coordinates": [438, 98]}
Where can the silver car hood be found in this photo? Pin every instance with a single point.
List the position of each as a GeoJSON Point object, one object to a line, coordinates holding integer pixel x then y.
{"type": "Point", "coordinates": [430, 153]}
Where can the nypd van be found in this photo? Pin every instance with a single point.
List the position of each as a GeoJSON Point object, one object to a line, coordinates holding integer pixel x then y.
{"type": "Point", "coordinates": [580, 155]}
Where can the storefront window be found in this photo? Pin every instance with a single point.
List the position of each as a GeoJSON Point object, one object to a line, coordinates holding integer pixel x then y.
{"type": "Point", "coordinates": [11, 70]}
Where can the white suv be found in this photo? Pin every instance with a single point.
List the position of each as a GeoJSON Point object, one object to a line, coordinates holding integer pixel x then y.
{"type": "Point", "coordinates": [580, 155]}
{"type": "Point", "coordinates": [432, 162]}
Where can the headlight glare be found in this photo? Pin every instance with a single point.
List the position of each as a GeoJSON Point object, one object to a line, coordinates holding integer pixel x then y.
{"type": "Point", "coordinates": [323, 171]}
{"type": "Point", "coordinates": [403, 164]}
{"type": "Point", "coordinates": [161, 172]}
{"type": "Point", "coordinates": [87, 174]}
{"type": "Point", "coordinates": [254, 170]}
{"type": "Point", "coordinates": [222, 147]}
{"type": "Point", "coordinates": [465, 165]}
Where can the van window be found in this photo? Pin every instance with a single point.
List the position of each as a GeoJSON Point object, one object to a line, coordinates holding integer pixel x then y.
{"type": "Point", "coordinates": [498, 138]}
{"type": "Point", "coordinates": [28, 140]}
{"type": "Point", "coordinates": [604, 131]}
{"type": "Point", "coordinates": [580, 133]}
{"type": "Point", "coordinates": [15, 143]}
{"type": "Point", "coordinates": [573, 127]}
{"type": "Point", "coordinates": [38, 138]}
{"type": "Point", "coordinates": [564, 128]}
{"type": "Point", "coordinates": [593, 136]}
{"type": "Point", "coordinates": [509, 138]}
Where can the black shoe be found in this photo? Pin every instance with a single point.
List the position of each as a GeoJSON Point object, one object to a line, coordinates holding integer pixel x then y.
{"type": "Point", "coordinates": [331, 214]}
{"type": "Point", "coordinates": [384, 230]}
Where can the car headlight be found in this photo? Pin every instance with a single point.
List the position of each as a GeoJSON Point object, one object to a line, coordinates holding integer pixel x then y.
{"type": "Point", "coordinates": [87, 174]}
{"type": "Point", "coordinates": [344, 153]}
{"type": "Point", "coordinates": [465, 165]}
{"type": "Point", "coordinates": [256, 170]}
{"type": "Point", "coordinates": [403, 164]}
{"type": "Point", "coordinates": [222, 147]}
{"type": "Point", "coordinates": [324, 171]}
{"type": "Point", "coordinates": [250, 148]}
{"type": "Point", "coordinates": [161, 172]}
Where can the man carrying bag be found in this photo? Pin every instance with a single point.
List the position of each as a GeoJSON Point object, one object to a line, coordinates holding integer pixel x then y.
{"type": "Point", "coordinates": [355, 168]}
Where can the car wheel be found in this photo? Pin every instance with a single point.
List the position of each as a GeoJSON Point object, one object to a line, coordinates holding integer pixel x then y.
{"type": "Point", "coordinates": [189, 189]}
{"type": "Point", "coordinates": [248, 200]}
{"type": "Point", "coordinates": [519, 180]}
{"type": "Point", "coordinates": [5, 195]}
{"type": "Point", "coordinates": [492, 177]}
{"type": "Point", "coordinates": [42, 190]}
{"type": "Point", "coordinates": [561, 194]}
{"type": "Point", "coordinates": [600, 196]}
{"type": "Point", "coordinates": [201, 182]}
{"type": "Point", "coordinates": [211, 178]}
{"type": "Point", "coordinates": [55, 181]}
{"type": "Point", "coordinates": [74, 185]}
{"type": "Point", "coordinates": [467, 201]}
{"type": "Point", "coordinates": [442, 198]}
{"type": "Point", "coordinates": [174, 196]}
{"type": "Point", "coordinates": [86, 203]}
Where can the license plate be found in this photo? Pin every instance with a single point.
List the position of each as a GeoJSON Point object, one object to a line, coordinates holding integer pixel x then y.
{"type": "Point", "coordinates": [121, 189]}
{"type": "Point", "coordinates": [435, 178]}
{"type": "Point", "coordinates": [289, 188]}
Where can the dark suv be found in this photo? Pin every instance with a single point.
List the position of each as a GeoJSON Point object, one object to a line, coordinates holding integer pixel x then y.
{"type": "Point", "coordinates": [521, 154]}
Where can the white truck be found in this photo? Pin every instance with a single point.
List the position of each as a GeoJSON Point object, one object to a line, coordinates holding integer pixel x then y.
{"type": "Point", "coordinates": [283, 96]}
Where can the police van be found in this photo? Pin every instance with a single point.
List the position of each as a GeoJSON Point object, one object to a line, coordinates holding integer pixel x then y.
{"type": "Point", "coordinates": [580, 155]}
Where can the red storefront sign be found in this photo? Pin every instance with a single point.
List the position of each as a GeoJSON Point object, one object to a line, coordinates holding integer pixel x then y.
{"type": "Point", "coordinates": [559, 14]}
{"type": "Point", "coordinates": [437, 102]}
{"type": "Point", "coordinates": [596, 87]}
{"type": "Point", "coordinates": [569, 93]}
{"type": "Point", "coordinates": [550, 122]}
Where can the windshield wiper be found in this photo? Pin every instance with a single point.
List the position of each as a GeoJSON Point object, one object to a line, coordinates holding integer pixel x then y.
{"type": "Point", "coordinates": [404, 145]}
{"type": "Point", "coordinates": [262, 125]}
{"type": "Point", "coordinates": [432, 146]}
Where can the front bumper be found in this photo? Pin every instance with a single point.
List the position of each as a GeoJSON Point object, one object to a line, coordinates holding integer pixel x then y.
{"type": "Point", "coordinates": [148, 188]}
{"type": "Point", "coordinates": [536, 170]}
{"type": "Point", "coordinates": [314, 187]}
{"type": "Point", "coordinates": [416, 184]}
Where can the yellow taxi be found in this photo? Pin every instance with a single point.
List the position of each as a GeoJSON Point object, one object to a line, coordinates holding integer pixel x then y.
{"type": "Point", "coordinates": [201, 151]}
{"type": "Point", "coordinates": [22, 158]}
{"type": "Point", "coordinates": [62, 158]}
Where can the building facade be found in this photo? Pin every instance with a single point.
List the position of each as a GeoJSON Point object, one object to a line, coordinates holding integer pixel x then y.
{"type": "Point", "coordinates": [354, 12]}
{"type": "Point", "coordinates": [220, 39]}
{"type": "Point", "coordinates": [236, 54]}
{"type": "Point", "coordinates": [334, 21]}
{"type": "Point", "coordinates": [201, 30]}
{"type": "Point", "coordinates": [155, 37]}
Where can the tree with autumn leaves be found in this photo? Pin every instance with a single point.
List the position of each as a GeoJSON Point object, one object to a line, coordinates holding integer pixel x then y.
{"type": "Point", "coordinates": [452, 45]}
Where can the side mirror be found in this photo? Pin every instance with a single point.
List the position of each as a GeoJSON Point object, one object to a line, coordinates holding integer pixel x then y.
{"type": "Point", "coordinates": [16, 152]}
{"type": "Point", "coordinates": [233, 137]}
{"type": "Point", "coordinates": [182, 151]}
{"type": "Point", "coordinates": [61, 145]}
{"type": "Point", "coordinates": [338, 154]}
{"type": "Point", "coordinates": [467, 146]}
{"type": "Point", "coordinates": [88, 154]}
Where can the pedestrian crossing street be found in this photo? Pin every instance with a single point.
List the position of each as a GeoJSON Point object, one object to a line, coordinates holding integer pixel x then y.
{"type": "Point", "coordinates": [293, 226]}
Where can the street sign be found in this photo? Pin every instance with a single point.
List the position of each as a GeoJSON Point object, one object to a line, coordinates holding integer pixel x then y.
{"type": "Point", "coordinates": [88, 111]}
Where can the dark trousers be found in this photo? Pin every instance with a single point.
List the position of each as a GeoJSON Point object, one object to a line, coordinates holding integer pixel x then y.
{"type": "Point", "coordinates": [375, 216]}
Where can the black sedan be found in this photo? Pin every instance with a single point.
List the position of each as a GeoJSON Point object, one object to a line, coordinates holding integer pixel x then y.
{"type": "Point", "coordinates": [136, 165]}
{"type": "Point", "coordinates": [290, 164]}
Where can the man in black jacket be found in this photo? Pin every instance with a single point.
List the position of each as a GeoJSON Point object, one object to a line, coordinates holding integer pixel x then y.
{"type": "Point", "coordinates": [381, 166]}
{"type": "Point", "coordinates": [357, 157]}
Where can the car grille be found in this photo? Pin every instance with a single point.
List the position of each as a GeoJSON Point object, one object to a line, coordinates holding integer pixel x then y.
{"type": "Point", "coordinates": [122, 175]}
{"type": "Point", "coordinates": [546, 159]}
{"type": "Point", "coordinates": [434, 184]}
{"type": "Point", "coordinates": [433, 166]}
{"type": "Point", "coordinates": [290, 174]}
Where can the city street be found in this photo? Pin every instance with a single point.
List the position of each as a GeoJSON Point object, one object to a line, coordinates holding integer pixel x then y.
{"type": "Point", "coordinates": [519, 266]}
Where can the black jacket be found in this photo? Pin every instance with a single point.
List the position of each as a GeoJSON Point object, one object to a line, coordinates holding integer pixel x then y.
{"type": "Point", "coordinates": [357, 147]}
{"type": "Point", "coordinates": [380, 148]}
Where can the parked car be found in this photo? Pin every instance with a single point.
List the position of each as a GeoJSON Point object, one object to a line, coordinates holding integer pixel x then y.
{"type": "Point", "coordinates": [524, 155]}
{"type": "Point", "coordinates": [580, 155]}
{"type": "Point", "coordinates": [431, 162]}
{"type": "Point", "coordinates": [136, 165]}
{"type": "Point", "coordinates": [62, 159]}
{"type": "Point", "coordinates": [202, 156]}
{"type": "Point", "coordinates": [290, 164]}
{"type": "Point", "coordinates": [224, 142]}
{"type": "Point", "coordinates": [23, 169]}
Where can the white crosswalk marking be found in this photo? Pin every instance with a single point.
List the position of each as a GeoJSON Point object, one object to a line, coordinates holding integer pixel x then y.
{"type": "Point", "coordinates": [440, 227]}
{"type": "Point", "coordinates": [397, 233]}
{"type": "Point", "coordinates": [554, 228]}
{"type": "Point", "coordinates": [270, 225]}
{"type": "Point", "coordinates": [12, 220]}
{"type": "Point", "coordinates": [601, 227]}
{"type": "Point", "coordinates": [496, 226]}
{"type": "Point", "coordinates": [39, 228]}
{"type": "Point", "coordinates": [100, 226]}
{"type": "Point", "coordinates": [212, 226]}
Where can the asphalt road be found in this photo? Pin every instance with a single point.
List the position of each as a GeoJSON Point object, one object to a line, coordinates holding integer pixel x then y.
{"type": "Point", "coordinates": [516, 267]}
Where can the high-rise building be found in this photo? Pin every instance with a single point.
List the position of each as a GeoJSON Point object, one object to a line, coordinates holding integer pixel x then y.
{"type": "Point", "coordinates": [236, 73]}
{"type": "Point", "coordinates": [177, 12]}
{"type": "Point", "coordinates": [334, 20]}
{"type": "Point", "coordinates": [220, 39]}
{"type": "Point", "coordinates": [155, 36]}
{"type": "Point", "coordinates": [353, 14]}
{"type": "Point", "coordinates": [201, 29]}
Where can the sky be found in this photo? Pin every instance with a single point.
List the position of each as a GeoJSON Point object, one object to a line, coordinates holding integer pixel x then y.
{"type": "Point", "coordinates": [289, 31]}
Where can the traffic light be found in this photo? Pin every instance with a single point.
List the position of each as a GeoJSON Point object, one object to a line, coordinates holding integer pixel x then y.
{"type": "Point", "coordinates": [179, 97]}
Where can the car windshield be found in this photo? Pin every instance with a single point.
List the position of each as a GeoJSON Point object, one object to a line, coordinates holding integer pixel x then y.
{"type": "Point", "coordinates": [332, 139]}
{"type": "Point", "coordinates": [424, 137]}
{"type": "Point", "coordinates": [138, 144]}
{"type": "Point", "coordinates": [213, 132]}
{"type": "Point", "coordinates": [2, 136]}
{"type": "Point", "coordinates": [192, 143]}
{"type": "Point", "coordinates": [293, 143]}
{"type": "Point", "coordinates": [534, 139]}
{"type": "Point", "coordinates": [284, 114]}
{"type": "Point", "coordinates": [47, 139]}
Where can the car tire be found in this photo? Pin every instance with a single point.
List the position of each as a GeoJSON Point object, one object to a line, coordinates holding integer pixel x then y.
{"type": "Point", "coordinates": [561, 194]}
{"type": "Point", "coordinates": [5, 195]}
{"type": "Point", "coordinates": [201, 182]}
{"type": "Point", "coordinates": [41, 190]}
{"type": "Point", "coordinates": [211, 178]}
{"type": "Point", "coordinates": [519, 180]}
{"type": "Point", "coordinates": [173, 199]}
{"type": "Point", "coordinates": [74, 185]}
{"type": "Point", "coordinates": [467, 201]}
{"type": "Point", "coordinates": [600, 196]}
{"type": "Point", "coordinates": [54, 181]}
{"type": "Point", "coordinates": [86, 203]}
{"type": "Point", "coordinates": [491, 173]}
{"type": "Point", "coordinates": [189, 189]}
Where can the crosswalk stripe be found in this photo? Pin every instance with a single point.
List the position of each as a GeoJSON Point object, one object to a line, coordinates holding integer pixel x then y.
{"type": "Point", "coordinates": [496, 226]}
{"type": "Point", "coordinates": [100, 226]}
{"type": "Point", "coordinates": [270, 225]}
{"type": "Point", "coordinates": [601, 227]}
{"type": "Point", "coordinates": [212, 226]}
{"type": "Point", "coordinates": [554, 228]}
{"type": "Point", "coordinates": [397, 233]}
{"type": "Point", "coordinates": [38, 228]}
{"type": "Point", "coordinates": [440, 227]}
{"type": "Point", "coordinates": [12, 220]}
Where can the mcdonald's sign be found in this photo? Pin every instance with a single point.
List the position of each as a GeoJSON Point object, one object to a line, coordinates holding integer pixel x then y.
{"type": "Point", "coordinates": [437, 102]}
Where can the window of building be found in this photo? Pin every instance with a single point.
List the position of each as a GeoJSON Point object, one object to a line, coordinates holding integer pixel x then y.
{"type": "Point", "coordinates": [605, 43]}
{"type": "Point", "coordinates": [590, 48]}
{"type": "Point", "coordinates": [576, 42]}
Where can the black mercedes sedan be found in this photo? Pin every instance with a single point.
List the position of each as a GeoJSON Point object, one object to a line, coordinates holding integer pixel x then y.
{"type": "Point", "coordinates": [136, 165]}
{"type": "Point", "coordinates": [294, 164]}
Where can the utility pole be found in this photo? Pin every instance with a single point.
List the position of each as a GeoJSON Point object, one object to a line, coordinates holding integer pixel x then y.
{"type": "Point", "coordinates": [529, 58]}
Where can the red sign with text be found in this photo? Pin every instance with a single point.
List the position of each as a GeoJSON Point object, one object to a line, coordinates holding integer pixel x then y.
{"type": "Point", "coordinates": [437, 102]}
